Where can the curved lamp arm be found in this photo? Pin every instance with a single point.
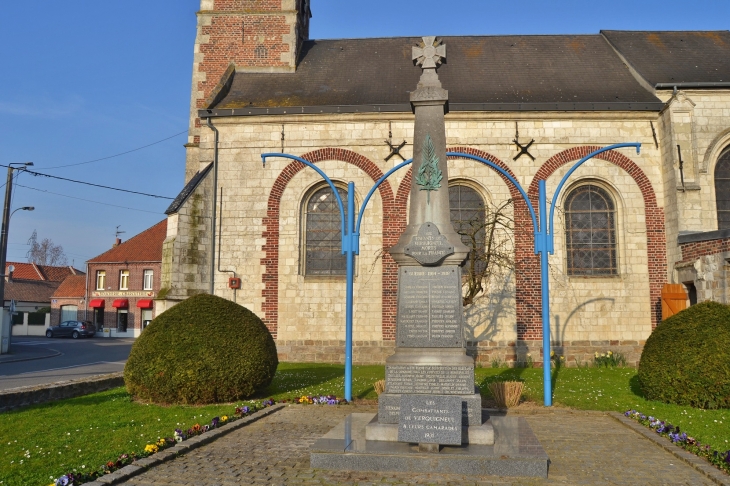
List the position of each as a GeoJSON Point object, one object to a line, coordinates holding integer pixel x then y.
{"type": "Point", "coordinates": [578, 164]}
{"type": "Point", "coordinates": [505, 174]}
{"type": "Point", "coordinates": [372, 190]}
{"type": "Point", "coordinates": [320, 172]}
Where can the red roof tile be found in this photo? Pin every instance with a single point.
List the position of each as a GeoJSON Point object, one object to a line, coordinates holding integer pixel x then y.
{"type": "Point", "coordinates": [30, 290]}
{"type": "Point", "coordinates": [31, 271]}
{"type": "Point", "coordinates": [73, 286]}
{"type": "Point", "coordinates": [145, 247]}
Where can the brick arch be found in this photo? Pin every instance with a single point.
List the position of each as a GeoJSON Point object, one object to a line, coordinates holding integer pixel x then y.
{"type": "Point", "coordinates": [529, 318]}
{"type": "Point", "coordinates": [270, 277]}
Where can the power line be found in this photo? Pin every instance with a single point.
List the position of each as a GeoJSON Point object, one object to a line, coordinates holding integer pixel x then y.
{"type": "Point", "coordinates": [92, 184]}
{"type": "Point", "coordinates": [114, 156]}
{"type": "Point", "coordinates": [87, 200]}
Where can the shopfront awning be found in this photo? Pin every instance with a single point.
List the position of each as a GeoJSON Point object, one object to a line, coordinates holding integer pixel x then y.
{"type": "Point", "coordinates": [121, 303]}
{"type": "Point", "coordinates": [144, 303]}
{"type": "Point", "coordinates": [96, 303]}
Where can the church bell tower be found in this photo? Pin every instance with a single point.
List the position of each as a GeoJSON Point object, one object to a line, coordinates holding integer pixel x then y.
{"type": "Point", "coordinates": [241, 36]}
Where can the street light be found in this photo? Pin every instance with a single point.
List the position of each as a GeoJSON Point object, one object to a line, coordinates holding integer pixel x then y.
{"type": "Point", "coordinates": [4, 232]}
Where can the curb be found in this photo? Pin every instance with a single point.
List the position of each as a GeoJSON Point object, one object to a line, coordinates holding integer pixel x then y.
{"type": "Point", "coordinates": [17, 360]}
{"type": "Point", "coordinates": [25, 396]}
{"type": "Point", "coordinates": [701, 465]}
{"type": "Point", "coordinates": [142, 465]}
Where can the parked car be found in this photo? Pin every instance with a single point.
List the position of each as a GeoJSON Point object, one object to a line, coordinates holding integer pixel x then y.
{"type": "Point", "coordinates": [75, 329]}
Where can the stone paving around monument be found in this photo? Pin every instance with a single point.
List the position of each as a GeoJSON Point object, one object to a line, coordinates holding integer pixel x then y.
{"type": "Point", "coordinates": [584, 448]}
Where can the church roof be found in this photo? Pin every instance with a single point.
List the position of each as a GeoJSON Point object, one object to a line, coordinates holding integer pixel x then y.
{"type": "Point", "coordinates": [491, 73]}
{"type": "Point", "coordinates": [676, 57]}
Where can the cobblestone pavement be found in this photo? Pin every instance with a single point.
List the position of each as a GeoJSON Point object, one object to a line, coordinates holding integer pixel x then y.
{"type": "Point", "coordinates": [584, 448]}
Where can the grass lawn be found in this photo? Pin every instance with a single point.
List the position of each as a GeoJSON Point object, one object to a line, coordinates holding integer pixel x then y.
{"type": "Point", "coordinates": [44, 441]}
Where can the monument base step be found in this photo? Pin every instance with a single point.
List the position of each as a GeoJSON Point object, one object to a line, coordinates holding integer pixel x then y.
{"type": "Point", "coordinates": [515, 452]}
{"type": "Point", "coordinates": [473, 434]}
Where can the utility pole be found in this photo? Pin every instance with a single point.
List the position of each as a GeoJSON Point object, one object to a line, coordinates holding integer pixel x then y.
{"type": "Point", "coordinates": [4, 233]}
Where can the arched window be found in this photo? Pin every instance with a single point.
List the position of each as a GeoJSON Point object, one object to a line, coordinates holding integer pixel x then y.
{"type": "Point", "coordinates": [590, 232]}
{"type": "Point", "coordinates": [468, 216]}
{"type": "Point", "coordinates": [722, 190]}
{"type": "Point", "coordinates": [323, 233]}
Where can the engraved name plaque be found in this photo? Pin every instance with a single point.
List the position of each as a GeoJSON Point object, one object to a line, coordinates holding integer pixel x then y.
{"type": "Point", "coordinates": [439, 380]}
{"type": "Point", "coordinates": [429, 307]}
{"type": "Point", "coordinates": [430, 419]}
{"type": "Point", "coordinates": [429, 246]}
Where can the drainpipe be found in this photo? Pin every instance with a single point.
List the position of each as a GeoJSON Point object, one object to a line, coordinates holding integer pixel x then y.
{"type": "Point", "coordinates": [220, 232]}
{"type": "Point", "coordinates": [215, 202]}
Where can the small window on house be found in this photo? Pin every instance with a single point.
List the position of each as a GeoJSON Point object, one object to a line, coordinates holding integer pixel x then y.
{"type": "Point", "coordinates": [69, 313]}
{"type": "Point", "coordinates": [124, 280]}
{"type": "Point", "coordinates": [590, 232]}
{"type": "Point", "coordinates": [147, 284]}
{"type": "Point", "coordinates": [323, 233]}
{"type": "Point", "coordinates": [101, 280]}
{"type": "Point", "coordinates": [722, 190]}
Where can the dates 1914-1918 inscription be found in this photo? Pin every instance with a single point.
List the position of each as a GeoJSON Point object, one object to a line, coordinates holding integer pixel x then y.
{"type": "Point", "coordinates": [429, 307]}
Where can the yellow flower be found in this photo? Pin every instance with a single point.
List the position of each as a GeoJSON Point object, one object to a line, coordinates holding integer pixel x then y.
{"type": "Point", "coordinates": [224, 418]}
{"type": "Point", "coordinates": [562, 358]}
{"type": "Point", "coordinates": [603, 355]}
{"type": "Point", "coordinates": [610, 353]}
{"type": "Point", "coordinates": [152, 448]}
{"type": "Point", "coordinates": [596, 354]}
{"type": "Point", "coordinates": [552, 353]}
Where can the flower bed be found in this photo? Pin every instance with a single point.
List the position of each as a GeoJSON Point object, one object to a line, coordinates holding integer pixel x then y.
{"type": "Point", "coordinates": [76, 478]}
{"type": "Point", "coordinates": [720, 459]}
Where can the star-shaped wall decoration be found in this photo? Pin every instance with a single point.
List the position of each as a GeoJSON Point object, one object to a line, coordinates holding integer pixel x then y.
{"type": "Point", "coordinates": [430, 54]}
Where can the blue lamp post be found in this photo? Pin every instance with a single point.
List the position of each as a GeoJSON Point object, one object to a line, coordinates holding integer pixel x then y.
{"type": "Point", "coordinates": [542, 229]}
{"type": "Point", "coordinates": [350, 246]}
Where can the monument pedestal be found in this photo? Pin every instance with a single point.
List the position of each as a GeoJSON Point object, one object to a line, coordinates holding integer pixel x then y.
{"type": "Point", "coordinates": [482, 434]}
{"type": "Point", "coordinates": [515, 452]}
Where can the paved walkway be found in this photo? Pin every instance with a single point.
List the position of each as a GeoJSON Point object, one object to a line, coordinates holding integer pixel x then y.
{"type": "Point", "coordinates": [584, 448]}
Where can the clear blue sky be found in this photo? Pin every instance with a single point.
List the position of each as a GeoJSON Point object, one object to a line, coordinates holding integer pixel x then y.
{"type": "Point", "coordinates": [86, 79]}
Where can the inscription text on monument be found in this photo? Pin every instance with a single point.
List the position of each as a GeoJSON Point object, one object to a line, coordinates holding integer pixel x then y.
{"type": "Point", "coordinates": [430, 419]}
{"type": "Point", "coordinates": [429, 307]}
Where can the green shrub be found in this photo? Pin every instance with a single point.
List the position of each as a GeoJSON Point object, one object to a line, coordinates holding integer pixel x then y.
{"type": "Point", "coordinates": [686, 360]}
{"type": "Point", "coordinates": [203, 350]}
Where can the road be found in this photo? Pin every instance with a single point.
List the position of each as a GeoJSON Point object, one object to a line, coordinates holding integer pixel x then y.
{"type": "Point", "coordinates": [76, 358]}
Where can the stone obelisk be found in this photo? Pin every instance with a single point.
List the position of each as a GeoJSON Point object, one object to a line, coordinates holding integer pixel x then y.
{"type": "Point", "coordinates": [430, 370]}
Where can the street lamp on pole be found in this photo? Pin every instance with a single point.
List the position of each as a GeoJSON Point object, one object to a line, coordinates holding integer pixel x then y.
{"type": "Point", "coordinates": [6, 223]}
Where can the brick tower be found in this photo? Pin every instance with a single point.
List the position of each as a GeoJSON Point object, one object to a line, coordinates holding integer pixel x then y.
{"type": "Point", "coordinates": [243, 36]}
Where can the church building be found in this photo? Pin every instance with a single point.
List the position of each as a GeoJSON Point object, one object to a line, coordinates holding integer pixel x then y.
{"type": "Point", "coordinates": [626, 224]}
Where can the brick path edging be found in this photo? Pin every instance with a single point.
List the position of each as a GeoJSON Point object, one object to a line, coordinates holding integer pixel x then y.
{"type": "Point", "coordinates": [141, 465]}
{"type": "Point", "coordinates": [696, 462]}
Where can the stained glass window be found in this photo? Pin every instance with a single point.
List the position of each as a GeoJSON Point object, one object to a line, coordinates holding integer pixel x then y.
{"type": "Point", "coordinates": [590, 227]}
{"type": "Point", "coordinates": [323, 228]}
{"type": "Point", "coordinates": [722, 190]}
{"type": "Point", "coordinates": [468, 218]}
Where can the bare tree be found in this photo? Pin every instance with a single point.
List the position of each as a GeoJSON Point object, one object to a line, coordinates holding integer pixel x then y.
{"type": "Point", "coordinates": [489, 236]}
{"type": "Point", "coordinates": [45, 252]}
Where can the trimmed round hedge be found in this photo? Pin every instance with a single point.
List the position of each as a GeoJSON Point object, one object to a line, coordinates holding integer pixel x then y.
{"type": "Point", "coordinates": [203, 350]}
{"type": "Point", "coordinates": [686, 360]}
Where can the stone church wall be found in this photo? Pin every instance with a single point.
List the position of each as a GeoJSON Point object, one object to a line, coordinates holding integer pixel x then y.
{"type": "Point", "coordinates": [306, 314]}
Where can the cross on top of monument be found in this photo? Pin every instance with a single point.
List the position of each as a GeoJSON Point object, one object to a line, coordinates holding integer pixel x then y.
{"type": "Point", "coordinates": [430, 54]}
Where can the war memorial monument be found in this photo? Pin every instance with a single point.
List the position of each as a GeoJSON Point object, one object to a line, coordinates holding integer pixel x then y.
{"type": "Point", "coordinates": [430, 417]}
